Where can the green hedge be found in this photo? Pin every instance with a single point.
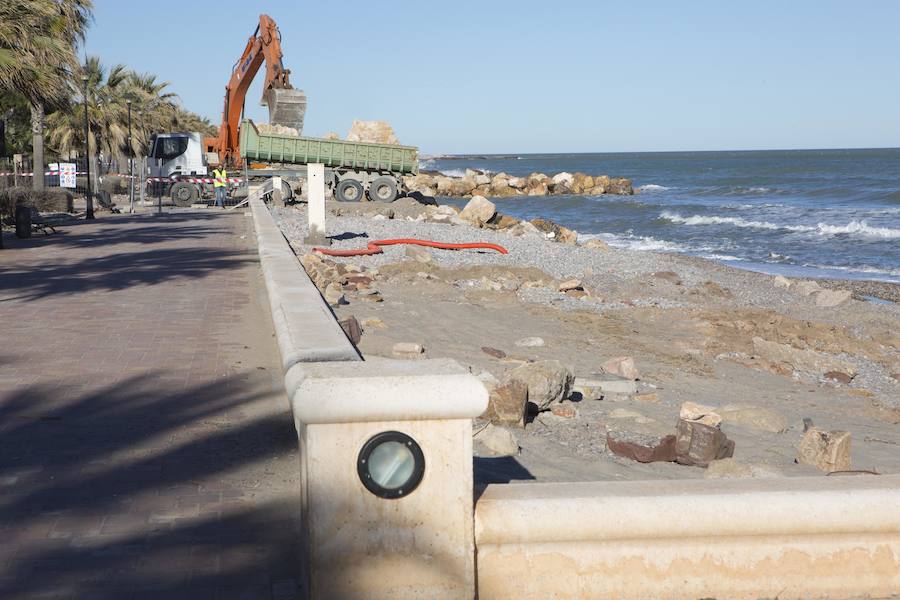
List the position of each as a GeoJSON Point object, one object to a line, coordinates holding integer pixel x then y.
{"type": "Point", "coordinates": [47, 200]}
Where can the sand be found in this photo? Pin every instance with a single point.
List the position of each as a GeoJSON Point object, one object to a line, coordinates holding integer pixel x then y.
{"type": "Point", "coordinates": [689, 323]}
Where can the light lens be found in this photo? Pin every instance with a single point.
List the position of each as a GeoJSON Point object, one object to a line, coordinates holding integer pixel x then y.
{"type": "Point", "coordinates": [391, 464]}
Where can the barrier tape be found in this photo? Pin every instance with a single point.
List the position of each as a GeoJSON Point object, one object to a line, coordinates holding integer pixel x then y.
{"type": "Point", "coordinates": [196, 179]}
{"type": "Point", "coordinates": [47, 173]}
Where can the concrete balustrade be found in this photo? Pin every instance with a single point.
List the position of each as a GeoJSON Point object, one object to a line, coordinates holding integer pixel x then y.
{"type": "Point", "coordinates": [824, 537]}
{"type": "Point", "coordinates": [304, 324]}
{"type": "Point", "coordinates": [357, 544]}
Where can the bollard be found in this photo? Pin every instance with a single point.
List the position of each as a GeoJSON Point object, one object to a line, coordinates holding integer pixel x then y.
{"type": "Point", "coordinates": [23, 221]}
{"type": "Point", "coordinates": [316, 205]}
{"type": "Point", "coordinates": [277, 198]}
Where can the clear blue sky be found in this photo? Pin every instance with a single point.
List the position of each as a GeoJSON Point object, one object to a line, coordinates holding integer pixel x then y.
{"type": "Point", "coordinates": [564, 76]}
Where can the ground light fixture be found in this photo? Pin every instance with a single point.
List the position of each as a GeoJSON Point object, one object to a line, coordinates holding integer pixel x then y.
{"type": "Point", "coordinates": [391, 465]}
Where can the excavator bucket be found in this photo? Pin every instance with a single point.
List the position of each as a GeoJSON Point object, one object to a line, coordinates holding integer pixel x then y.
{"type": "Point", "coordinates": [286, 107]}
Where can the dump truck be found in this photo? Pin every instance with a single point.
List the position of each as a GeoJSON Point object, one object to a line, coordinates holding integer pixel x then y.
{"type": "Point", "coordinates": [352, 169]}
{"type": "Point", "coordinates": [179, 163]}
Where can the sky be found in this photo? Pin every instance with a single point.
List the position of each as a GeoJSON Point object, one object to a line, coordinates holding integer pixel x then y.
{"type": "Point", "coordinates": [497, 76]}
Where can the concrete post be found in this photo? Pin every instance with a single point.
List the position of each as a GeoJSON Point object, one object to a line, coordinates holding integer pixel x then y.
{"type": "Point", "coordinates": [419, 542]}
{"type": "Point", "coordinates": [277, 199]}
{"type": "Point", "coordinates": [315, 178]}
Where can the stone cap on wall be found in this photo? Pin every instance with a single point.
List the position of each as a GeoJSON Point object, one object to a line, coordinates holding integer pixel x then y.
{"type": "Point", "coordinates": [384, 390]}
{"type": "Point", "coordinates": [619, 510]}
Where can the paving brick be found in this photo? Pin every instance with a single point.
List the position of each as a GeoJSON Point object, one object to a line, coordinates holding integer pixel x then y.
{"type": "Point", "coordinates": [138, 440]}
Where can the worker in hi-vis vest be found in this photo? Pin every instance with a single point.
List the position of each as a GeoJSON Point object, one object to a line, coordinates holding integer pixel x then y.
{"type": "Point", "coordinates": [220, 184]}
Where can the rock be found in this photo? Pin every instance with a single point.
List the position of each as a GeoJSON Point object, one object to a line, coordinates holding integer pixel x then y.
{"type": "Point", "coordinates": [420, 254]}
{"type": "Point", "coordinates": [500, 441]}
{"type": "Point", "coordinates": [564, 411]}
{"type": "Point", "coordinates": [828, 451]}
{"type": "Point", "coordinates": [563, 177]}
{"type": "Point", "coordinates": [832, 298]}
{"type": "Point", "coordinates": [331, 135]}
{"type": "Point", "coordinates": [548, 381]}
{"type": "Point", "coordinates": [493, 352]}
{"type": "Point", "coordinates": [570, 284]}
{"type": "Point", "coordinates": [640, 439]}
{"type": "Point", "coordinates": [507, 403]}
{"type": "Point", "coordinates": [729, 468]}
{"type": "Point", "coordinates": [539, 188]}
{"type": "Point", "coordinates": [404, 349]}
{"type": "Point", "coordinates": [699, 413]}
{"type": "Point", "coordinates": [274, 129]}
{"type": "Point", "coordinates": [755, 417]}
{"type": "Point", "coordinates": [780, 281]}
{"type": "Point", "coordinates": [503, 222]}
{"type": "Point", "coordinates": [623, 366]}
{"type": "Point", "coordinates": [555, 232]}
{"type": "Point", "coordinates": [599, 384]}
{"type": "Point", "coordinates": [478, 211]}
{"type": "Point", "coordinates": [839, 377]}
{"type": "Point", "coordinates": [618, 185]}
{"type": "Point", "coordinates": [530, 342]}
{"type": "Point", "coordinates": [796, 359]}
{"type": "Point", "coordinates": [806, 288]}
{"type": "Point", "coordinates": [369, 295]}
{"type": "Point", "coordinates": [518, 182]}
{"type": "Point", "coordinates": [377, 132]}
{"type": "Point", "coordinates": [650, 397]}
{"type": "Point", "coordinates": [481, 178]}
{"type": "Point", "coordinates": [595, 244]}
{"type": "Point", "coordinates": [360, 281]}
{"type": "Point", "coordinates": [351, 328]}
{"type": "Point", "coordinates": [334, 294]}
{"type": "Point", "coordinates": [374, 322]}
{"type": "Point", "coordinates": [523, 228]}
{"type": "Point", "coordinates": [698, 445]}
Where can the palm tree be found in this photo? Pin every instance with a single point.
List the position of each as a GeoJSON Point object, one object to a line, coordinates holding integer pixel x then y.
{"type": "Point", "coordinates": [38, 40]}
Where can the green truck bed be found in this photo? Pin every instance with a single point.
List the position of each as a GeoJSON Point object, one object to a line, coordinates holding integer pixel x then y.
{"type": "Point", "coordinates": [298, 150]}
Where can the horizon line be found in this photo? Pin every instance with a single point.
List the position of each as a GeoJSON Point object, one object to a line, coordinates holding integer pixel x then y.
{"type": "Point", "coordinates": [507, 154]}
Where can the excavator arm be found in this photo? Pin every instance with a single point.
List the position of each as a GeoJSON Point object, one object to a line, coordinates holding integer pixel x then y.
{"type": "Point", "coordinates": [287, 106]}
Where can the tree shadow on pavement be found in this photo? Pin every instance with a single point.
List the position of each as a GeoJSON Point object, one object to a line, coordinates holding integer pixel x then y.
{"type": "Point", "coordinates": [137, 491]}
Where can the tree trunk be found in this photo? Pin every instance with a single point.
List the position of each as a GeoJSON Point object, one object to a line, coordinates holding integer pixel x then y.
{"type": "Point", "coordinates": [37, 146]}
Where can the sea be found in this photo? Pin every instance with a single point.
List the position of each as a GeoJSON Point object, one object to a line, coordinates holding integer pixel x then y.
{"type": "Point", "coordinates": [812, 213]}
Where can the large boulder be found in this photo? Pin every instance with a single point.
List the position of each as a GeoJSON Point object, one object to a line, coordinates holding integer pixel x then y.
{"type": "Point", "coordinates": [632, 435]}
{"type": "Point", "coordinates": [620, 186]}
{"type": "Point", "coordinates": [548, 381]}
{"type": "Point", "coordinates": [623, 366]}
{"type": "Point", "coordinates": [377, 132]}
{"type": "Point", "coordinates": [754, 417]}
{"type": "Point", "coordinates": [556, 232]}
{"type": "Point", "coordinates": [828, 451]}
{"type": "Point", "coordinates": [478, 211]}
{"type": "Point", "coordinates": [507, 403]}
{"type": "Point", "coordinates": [698, 444]}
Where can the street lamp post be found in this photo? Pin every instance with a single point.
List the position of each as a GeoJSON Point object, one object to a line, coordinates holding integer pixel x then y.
{"type": "Point", "coordinates": [130, 157]}
{"type": "Point", "coordinates": [143, 165]}
{"type": "Point", "coordinates": [89, 202]}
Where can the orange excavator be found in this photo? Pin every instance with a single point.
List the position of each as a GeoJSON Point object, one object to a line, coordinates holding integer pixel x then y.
{"type": "Point", "coordinates": [287, 106]}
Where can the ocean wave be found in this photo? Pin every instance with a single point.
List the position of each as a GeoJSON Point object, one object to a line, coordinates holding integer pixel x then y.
{"type": "Point", "coordinates": [642, 242]}
{"type": "Point", "coordinates": [854, 227]}
{"type": "Point", "coordinates": [652, 187]}
{"type": "Point", "coordinates": [723, 257]}
{"type": "Point", "coordinates": [453, 172]}
{"type": "Point", "coordinates": [863, 269]}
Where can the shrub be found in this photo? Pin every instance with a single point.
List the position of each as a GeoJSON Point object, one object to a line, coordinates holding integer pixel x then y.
{"type": "Point", "coordinates": [47, 200]}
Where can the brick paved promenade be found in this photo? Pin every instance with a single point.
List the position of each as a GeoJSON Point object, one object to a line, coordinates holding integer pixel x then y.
{"type": "Point", "coordinates": [146, 449]}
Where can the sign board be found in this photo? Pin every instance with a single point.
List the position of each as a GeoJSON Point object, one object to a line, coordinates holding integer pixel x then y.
{"type": "Point", "coordinates": [67, 175]}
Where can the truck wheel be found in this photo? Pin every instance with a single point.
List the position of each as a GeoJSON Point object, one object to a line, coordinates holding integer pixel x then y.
{"type": "Point", "coordinates": [349, 190]}
{"type": "Point", "coordinates": [383, 189]}
{"type": "Point", "coordinates": [183, 194]}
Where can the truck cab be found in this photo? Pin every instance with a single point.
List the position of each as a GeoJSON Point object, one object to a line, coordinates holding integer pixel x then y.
{"type": "Point", "coordinates": [173, 156]}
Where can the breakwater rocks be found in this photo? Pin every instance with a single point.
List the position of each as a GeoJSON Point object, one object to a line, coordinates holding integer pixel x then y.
{"type": "Point", "coordinates": [501, 185]}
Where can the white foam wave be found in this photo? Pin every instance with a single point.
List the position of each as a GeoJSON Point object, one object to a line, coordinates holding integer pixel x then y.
{"type": "Point", "coordinates": [858, 228]}
{"type": "Point", "coordinates": [725, 257]}
{"type": "Point", "coordinates": [643, 242]}
{"type": "Point", "coordinates": [652, 187]}
{"type": "Point", "coordinates": [453, 172]}
{"type": "Point", "coordinates": [870, 270]}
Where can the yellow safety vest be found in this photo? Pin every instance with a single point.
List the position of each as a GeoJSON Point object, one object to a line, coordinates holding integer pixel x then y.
{"type": "Point", "coordinates": [220, 175]}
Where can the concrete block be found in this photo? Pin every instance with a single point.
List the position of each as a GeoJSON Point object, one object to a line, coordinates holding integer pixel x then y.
{"type": "Point", "coordinates": [599, 383]}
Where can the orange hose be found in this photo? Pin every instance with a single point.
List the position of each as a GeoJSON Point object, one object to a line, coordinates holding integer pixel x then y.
{"type": "Point", "coordinates": [374, 247]}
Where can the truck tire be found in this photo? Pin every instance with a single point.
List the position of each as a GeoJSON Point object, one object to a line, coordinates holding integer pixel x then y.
{"type": "Point", "coordinates": [349, 190]}
{"type": "Point", "coordinates": [183, 194]}
{"type": "Point", "coordinates": [383, 189]}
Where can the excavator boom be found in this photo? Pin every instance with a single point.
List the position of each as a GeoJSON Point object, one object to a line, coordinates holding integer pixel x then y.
{"type": "Point", "coordinates": [287, 106]}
